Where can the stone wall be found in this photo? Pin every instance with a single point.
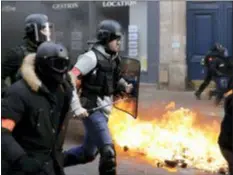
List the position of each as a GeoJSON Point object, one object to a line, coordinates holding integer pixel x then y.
{"type": "Point", "coordinates": [172, 66]}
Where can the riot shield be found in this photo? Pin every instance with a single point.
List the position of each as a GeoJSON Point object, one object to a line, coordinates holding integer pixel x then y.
{"type": "Point", "coordinates": [130, 72]}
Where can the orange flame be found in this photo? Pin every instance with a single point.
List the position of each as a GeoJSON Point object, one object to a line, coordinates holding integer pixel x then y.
{"type": "Point", "coordinates": [178, 135]}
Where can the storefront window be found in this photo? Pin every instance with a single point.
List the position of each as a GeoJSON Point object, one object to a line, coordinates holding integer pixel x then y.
{"type": "Point", "coordinates": [76, 22]}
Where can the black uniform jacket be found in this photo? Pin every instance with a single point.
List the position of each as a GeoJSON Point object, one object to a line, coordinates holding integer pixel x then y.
{"type": "Point", "coordinates": [13, 61]}
{"type": "Point", "coordinates": [40, 116]}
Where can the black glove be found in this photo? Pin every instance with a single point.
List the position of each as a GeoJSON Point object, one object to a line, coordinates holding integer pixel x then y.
{"type": "Point", "coordinates": [28, 165]}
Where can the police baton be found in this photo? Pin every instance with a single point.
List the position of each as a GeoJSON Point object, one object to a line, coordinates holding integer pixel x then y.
{"type": "Point", "coordinates": [109, 104]}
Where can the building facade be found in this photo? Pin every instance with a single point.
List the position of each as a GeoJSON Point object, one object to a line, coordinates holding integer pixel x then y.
{"type": "Point", "coordinates": [168, 37]}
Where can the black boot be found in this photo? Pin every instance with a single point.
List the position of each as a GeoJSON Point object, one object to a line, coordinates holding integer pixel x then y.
{"type": "Point", "coordinates": [75, 158]}
{"type": "Point", "coordinates": [69, 160]}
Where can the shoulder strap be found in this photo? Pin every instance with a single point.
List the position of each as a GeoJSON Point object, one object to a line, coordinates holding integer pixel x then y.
{"type": "Point", "coordinates": [97, 52]}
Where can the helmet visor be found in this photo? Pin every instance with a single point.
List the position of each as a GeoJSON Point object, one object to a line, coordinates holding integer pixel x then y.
{"type": "Point", "coordinates": [46, 32]}
{"type": "Point", "coordinates": [60, 65]}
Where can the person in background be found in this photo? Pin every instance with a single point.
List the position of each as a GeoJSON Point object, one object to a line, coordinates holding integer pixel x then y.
{"type": "Point", "coordinates": [37, 30]}
{"type": "Point", "coordinates": [213, 58]}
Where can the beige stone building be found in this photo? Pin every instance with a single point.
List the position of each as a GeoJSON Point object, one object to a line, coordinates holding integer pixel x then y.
{"type": "Point", "coordinates": [186, 31]}
{"type": "Point", "coordinates": [172, 46]}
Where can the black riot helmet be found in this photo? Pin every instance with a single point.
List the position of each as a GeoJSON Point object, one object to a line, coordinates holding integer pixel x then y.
{"type": "Point", "coordinates": [108, 30]}
{"type": "Point", "coordinates": [220, 49]}
{"type": "Point", "coordinates": [52, 61]}
{"type": "Point", "coordinates": [38, 29]}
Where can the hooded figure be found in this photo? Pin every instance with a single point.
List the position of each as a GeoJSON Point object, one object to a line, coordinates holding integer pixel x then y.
{"type": "Point", "coordinates": [34, 113]}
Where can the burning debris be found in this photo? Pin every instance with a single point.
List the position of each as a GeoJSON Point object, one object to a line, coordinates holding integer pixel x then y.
{"type": "Point", "coordinates": [177, 140]}
{"type": "Point", "coordinates": [125, 148]}
{"type": "Point", "coordinates": [170, 163]}
{"type": "Point", "coordinates": [223, 171]}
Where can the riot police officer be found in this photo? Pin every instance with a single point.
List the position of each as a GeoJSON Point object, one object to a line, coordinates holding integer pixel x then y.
{"type": "Point", "coordinates": [34, 113]}
{"type": "Point", "coordinates": [211, 61]}
{"type": "Point", "coordinates": [37, 30]}
{"type": "Point", "coordinates": [100, 74]}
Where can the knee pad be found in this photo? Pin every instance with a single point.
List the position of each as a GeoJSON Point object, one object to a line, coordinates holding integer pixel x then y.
{"type": "Point", "coordinates": [72, 157]}
{"type": "Point", "coordinates": [107, 165]}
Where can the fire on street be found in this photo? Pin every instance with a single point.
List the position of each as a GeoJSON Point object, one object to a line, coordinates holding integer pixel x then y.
{"type": "Point", "coordinates": [179, 138]}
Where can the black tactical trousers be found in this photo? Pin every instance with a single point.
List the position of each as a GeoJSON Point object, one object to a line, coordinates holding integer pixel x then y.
{"type": "Point", "coordinates": [228, 155]}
